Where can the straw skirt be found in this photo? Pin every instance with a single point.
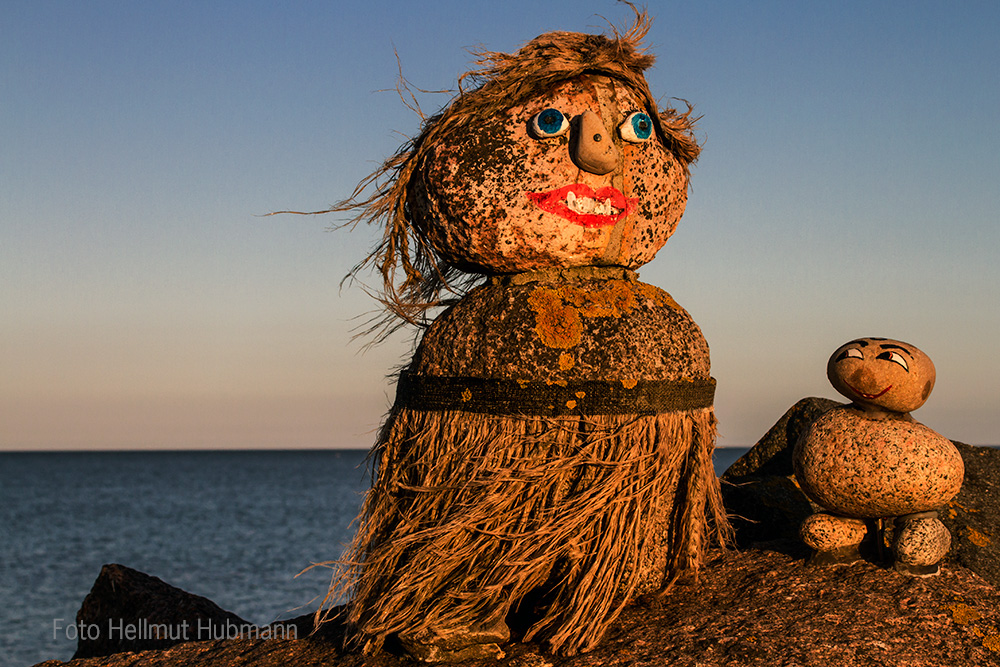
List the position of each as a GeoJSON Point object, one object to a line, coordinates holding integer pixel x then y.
{"type": "Point", "coordinates": [548, 456]}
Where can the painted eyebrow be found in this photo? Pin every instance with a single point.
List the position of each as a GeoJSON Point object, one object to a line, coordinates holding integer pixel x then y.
{"type": "Point", "coordinates": [862, 343]}
{"type": "Point", "coordinates": [888, 346]}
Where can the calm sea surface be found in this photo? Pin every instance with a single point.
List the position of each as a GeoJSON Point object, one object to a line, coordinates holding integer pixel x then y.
{"type": "Point", "coordinates": [235, 527]}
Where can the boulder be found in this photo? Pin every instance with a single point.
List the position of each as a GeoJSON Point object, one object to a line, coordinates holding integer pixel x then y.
{"type": "Point", "coordinates": [973, 517]}
{"type": "Point", "coordinates": [128, 610]}
{"type": "Point", "coordinates": [760, 491]}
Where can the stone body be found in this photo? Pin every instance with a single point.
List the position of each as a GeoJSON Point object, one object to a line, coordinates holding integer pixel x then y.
{"type": "Point", "coordinates": [872, 460]}
{"type": "Point", "coordinates": [869, 468]}
{"type": "Point", "coordinates": [570, 338]}
{"type": "Point", "coordinates": [548, 419]}
{"type": "Point", "coordinates": [598, 323]}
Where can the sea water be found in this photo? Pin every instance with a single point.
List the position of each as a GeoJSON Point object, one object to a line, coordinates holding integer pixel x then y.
{"type": "Point", "coordinates": [235, 527]}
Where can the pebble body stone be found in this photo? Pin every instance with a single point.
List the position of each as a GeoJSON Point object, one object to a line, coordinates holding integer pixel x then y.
{"type": "Point", "coordinates": [921, 542]}
{"type": "Point", "coordinates": [564, 326]}
{"type": "Point", "coordinates": [871, 460]}
{"type": "Point", "coordinates": [825, 532]}
{"type": "Point", "coordinates": [558, 326]}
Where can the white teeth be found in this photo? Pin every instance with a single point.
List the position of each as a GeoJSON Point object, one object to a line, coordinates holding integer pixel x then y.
{"type": "Point", "coordinates": [589, 206]}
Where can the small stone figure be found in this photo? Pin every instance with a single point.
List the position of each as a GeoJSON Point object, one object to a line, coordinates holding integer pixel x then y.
{"type": "Point", "coordinates": [871, 460]}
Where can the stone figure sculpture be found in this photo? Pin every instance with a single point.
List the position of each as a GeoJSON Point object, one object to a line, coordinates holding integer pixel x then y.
{"type": "Point", "coordinates": [871, 460]}
{"type": "Point", "coordinates": [548, 456]}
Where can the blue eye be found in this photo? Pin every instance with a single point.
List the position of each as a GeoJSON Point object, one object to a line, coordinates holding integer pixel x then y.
{"type": "Point", "coordinates": [638, 127]}
{"type": "Point", "coordinates": [549, 123]}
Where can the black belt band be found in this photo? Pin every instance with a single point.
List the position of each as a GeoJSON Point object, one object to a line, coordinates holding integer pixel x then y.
{"type": "Point", "coordinates": [585, 397]}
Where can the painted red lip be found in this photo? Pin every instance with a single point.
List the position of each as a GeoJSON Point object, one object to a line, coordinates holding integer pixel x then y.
{"type": "Point", "coordinates": [868, 396]}
{"type": "Point", "coordinates": [554, 201]}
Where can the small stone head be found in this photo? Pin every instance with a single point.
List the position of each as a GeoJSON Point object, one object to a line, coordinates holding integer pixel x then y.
{"type": "Point", "coordinates": [880, 374]}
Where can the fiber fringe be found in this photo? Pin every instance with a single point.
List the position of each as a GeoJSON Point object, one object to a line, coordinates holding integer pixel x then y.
{"type": "Point", "coordinates": [469, 513]}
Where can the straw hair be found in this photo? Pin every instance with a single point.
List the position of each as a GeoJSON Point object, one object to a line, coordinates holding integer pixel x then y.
{"type": "Point", "coordinates": [472, 513]}
{"type": "Point", "coordinates": [414, 273]}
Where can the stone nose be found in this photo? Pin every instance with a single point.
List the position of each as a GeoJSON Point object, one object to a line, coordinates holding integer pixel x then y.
{"type": "Point", "coordinates": [592, 148]}
{"type": "Point", "coordinates": [864, 380]}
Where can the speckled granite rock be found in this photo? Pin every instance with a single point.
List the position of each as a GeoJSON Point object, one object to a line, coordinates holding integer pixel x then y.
{"type": "Point", "coordinates": [921, 542]}
{"type": "Point", "coordinates": [881, 374]}
{"type": "Point", "coordinates": [869, 468]}
{"type": "Point", "coordinates": [825, 532]}
{"type": "Point", "coordinates": [766, 503]}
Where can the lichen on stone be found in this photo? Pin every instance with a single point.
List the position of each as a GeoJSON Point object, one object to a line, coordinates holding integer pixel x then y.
{"type": "Point", "coordinates": [978, 538]}
{"type": "Point", "coordinates": [967, 615]}
{"type": "Point", "coordinates": [963, 614]}
{"type": "Point", "coordinates": [556, 324]}
{"type": "Point", "coordinates": [559, 310]}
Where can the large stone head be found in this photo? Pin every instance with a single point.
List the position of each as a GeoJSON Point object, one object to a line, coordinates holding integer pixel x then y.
{"type": "Point", "coordinates": [552, 157]}
{"type": "Point", "coordinates": [560, 158]}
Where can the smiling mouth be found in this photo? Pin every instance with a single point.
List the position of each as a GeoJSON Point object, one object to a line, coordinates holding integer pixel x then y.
{"type": "Point", "coordinates": [868, 396]}
{"type": "Point", "coordinates": [582, 205]}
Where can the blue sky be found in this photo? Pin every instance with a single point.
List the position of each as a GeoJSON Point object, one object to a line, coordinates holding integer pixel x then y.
{"type": "Point", "coordinates": [847, 187]}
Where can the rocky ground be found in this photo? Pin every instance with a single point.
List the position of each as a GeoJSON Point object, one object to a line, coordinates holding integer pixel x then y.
{"type": "Point", "coordinates": [756, 605]}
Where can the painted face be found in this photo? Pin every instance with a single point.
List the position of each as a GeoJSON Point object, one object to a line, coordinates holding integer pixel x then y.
{"type": "Point", "coordinates": [578, 177]}
{"type": "Point", "coordinates": [882, 373]}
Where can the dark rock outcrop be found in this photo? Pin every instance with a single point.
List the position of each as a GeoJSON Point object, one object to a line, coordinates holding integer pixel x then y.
{"type": "Point", "coordinates": [759, 490]}
{"type": "Point", "coordinates": [973, 517]}
{"type": "Point", "coordinates": [127, 610]}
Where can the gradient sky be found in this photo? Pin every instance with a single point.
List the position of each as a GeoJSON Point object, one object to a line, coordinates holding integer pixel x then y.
{"type": "Point", "coordinates": [848, 187]}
